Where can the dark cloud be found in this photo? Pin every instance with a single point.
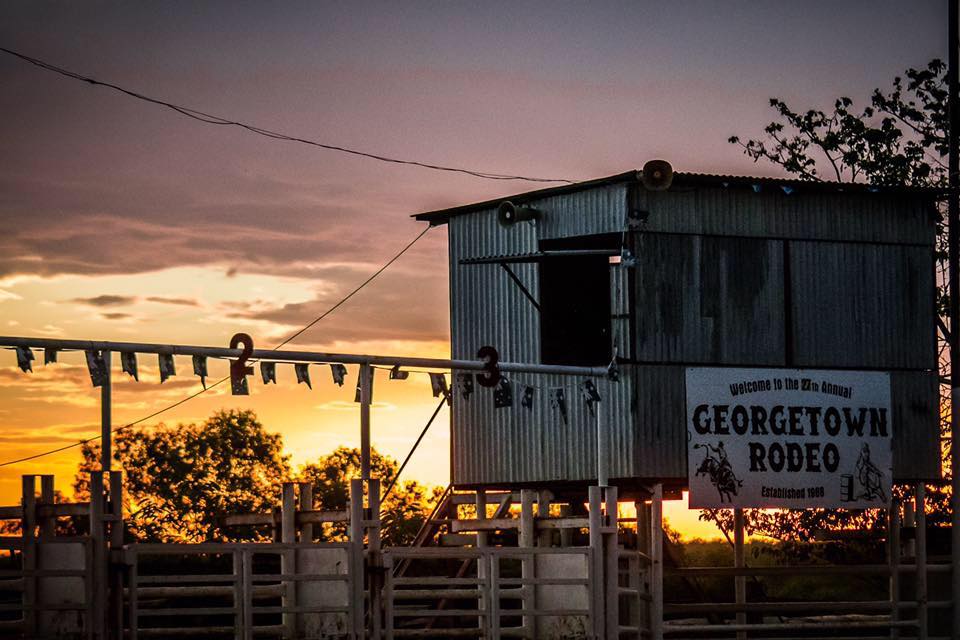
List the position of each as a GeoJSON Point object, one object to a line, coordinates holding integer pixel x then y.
{"type": "Point", "coordinates": [409, 304]}
{"type": "Point", "coordinates": [106, 301]}
{"type": "Point", "coordinates": [242, 225]}
{"type": "Point", "coordinates": [186, 302]}
{"type": "Point", "coordinates": [116, 316]}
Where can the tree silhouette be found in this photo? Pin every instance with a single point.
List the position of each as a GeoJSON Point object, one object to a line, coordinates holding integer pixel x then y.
{"type": "Point", "coordinates": [403, 511]}
{"type": "Point", "coordinates": [898, 139]}
{"type": "Point", "coordinates": [180, 481]}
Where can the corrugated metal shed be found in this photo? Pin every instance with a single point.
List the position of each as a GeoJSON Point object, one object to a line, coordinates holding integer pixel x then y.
{"type": "Point", "coordinates": [732, 271]}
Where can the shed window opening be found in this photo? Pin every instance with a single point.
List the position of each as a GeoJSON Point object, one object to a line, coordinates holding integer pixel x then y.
{"type": "Point", "coordinates": [575, 307]}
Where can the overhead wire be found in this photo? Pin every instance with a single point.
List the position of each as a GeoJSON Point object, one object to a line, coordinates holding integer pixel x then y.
{"type": "Point", "coordinates": [209, 118]}
{"type": "Point", "coordinates": [224, 379]}
{"type": "Point", "coordinates": [396, 477]}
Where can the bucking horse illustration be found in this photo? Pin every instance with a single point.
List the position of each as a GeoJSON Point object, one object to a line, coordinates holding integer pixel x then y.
{"type": "Point", "coordinates": [717, 467]}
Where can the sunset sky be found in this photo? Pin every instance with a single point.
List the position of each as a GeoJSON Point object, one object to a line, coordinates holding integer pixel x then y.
{"type": "Point", "coordinates": [121, 220]}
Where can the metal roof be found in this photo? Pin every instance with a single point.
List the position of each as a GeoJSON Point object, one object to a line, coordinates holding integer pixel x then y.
{"type": "Point", "coordinates": [682, 180]}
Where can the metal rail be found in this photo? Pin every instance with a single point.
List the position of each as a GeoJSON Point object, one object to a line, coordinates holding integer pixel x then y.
{"type": "Point", "coordinates": [298, 356]}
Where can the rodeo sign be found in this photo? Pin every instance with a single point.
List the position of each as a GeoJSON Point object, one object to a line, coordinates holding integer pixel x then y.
{"type": "Point", "coordinates": [788, 438]}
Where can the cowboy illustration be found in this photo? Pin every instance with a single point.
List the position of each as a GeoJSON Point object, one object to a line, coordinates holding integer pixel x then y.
{"type": "Point", "coordinates": [870, 477]}
{"type": "Point", "coordinates": [717, 467]}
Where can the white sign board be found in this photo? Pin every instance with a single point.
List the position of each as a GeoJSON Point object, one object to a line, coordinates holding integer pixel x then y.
{"type": "Point", "coordinates": [791, 438]}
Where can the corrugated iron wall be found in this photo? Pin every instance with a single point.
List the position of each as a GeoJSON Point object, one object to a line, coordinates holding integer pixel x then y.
{"type": "Point", "coordinates": [645, 410]}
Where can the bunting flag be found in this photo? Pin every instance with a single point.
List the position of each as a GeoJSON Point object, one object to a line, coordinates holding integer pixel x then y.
{"type": "Point", "coordinates": [397, 374]}
{"type": "Point", "coordinates": [49, 356]}
{"type": "Point", "coordinates": [128, 361]}
{"type": "Point", "coordinates": [465, 382]}
{"type": "Point", "coordinates": [239, 386]}
{"type": "Point", "coordinates": [339, 373]}
{"type": "Point", "coordinates": [25, 359]}
{"type": "Point", "coordinates": [438, 384]}
{"type": "Point", "coordinates": [200, 369]}
{"type": "Point", "coordinates": [167, 368]}
{"type": "Point", "coordinates": [97, 368]}
{"type": "Point", "coordinates": [356, 396]}
{"type": "Point", "coordinates": [558, 400]}
{"type": "Point", "coordinates": [303, 373]}
{"type": "Point", "coordinates": [503, 394]}
{"type": "Point", "coordinates": [590, 394]}
{"type": "Point", "coordinates": [527, 400]}
{"type": "Point", "coordinates": [268, 372]}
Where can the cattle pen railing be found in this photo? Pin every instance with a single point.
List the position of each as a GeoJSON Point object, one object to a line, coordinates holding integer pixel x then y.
{"type": "Point", "coordinates": [523, 573]}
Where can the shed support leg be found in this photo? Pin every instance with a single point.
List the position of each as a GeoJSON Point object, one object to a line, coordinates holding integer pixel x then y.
{"type": "Point", "coordinates": [740, 584]}
{"type": "Point", "coordinates": [528, 563]}
{"type": "Point", "coordinates": [656, 567]}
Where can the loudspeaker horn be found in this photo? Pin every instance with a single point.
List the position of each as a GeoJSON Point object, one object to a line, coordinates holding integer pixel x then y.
{"type": "Point", "coordinates": [657, 175]}
{"type": "Point", "coordinates": [508, 214]}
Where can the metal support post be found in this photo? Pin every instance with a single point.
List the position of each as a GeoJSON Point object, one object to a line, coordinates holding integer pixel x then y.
{"type": "Point", "coordinates": [603, 454]}
{"type": "Point", "coordinates": [106, 418]}
{"type": "Point", "coordinates": [366, 375]}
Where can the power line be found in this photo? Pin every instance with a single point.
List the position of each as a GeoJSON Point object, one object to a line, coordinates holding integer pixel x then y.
{"type": "Point", "coordinates": [222, 380]}
{"type": "Point", "coordinates": [208, 118]}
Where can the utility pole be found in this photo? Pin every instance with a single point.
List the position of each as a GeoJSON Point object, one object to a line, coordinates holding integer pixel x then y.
{"type": "Point", "coordinates": [953, 238]}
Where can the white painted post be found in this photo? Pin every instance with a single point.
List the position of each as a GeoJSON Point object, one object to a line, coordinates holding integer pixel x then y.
{"type": "Point", "coordinates": [116, 546]}
{"type": "Point", "coordinates": [373, 495]}
{"type": "Point", "coordinates": [288, 562]}
{"type": "Point", "coordinates": [356, 537]}
{"type": "Point", "coordinates": [544, 499]}
{"type": "Point", "coordinates": [656, 567]}
{"type": "Point", "coordinates": [306, 504]}
{"type": "Point", "coordinates": [29, 554]}
{"type": "Point", "coordinates": [740, 582]}
{"type": "Point", "coordinates": [612, 568]}
{"type": "Point", "coordinates": [566, 535]}
{"type": "Point", "coordinates": [98, 541]}
{"type": "Point", "coordinates": [528, 564]}
{"type": "Point", "coordinates": [596, 560]}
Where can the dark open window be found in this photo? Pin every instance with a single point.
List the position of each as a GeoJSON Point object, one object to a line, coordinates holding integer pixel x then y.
{"type": "Point", "coordinates": [575, 304]}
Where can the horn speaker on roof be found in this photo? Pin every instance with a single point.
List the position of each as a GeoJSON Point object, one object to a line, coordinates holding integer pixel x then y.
{"type": "Point", "coordinates": [508, 214]}
{"type": "Point", "coordinates": [657, 175]}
